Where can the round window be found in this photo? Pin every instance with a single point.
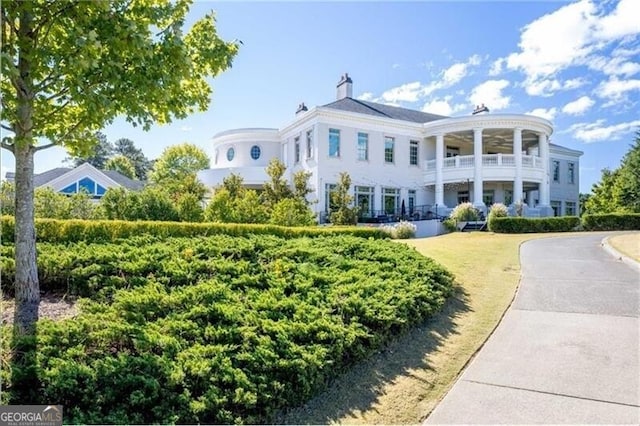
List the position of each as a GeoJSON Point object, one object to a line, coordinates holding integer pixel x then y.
{"type": "Point", "coordinates": [230, 154]}
{"type": "Point", "coordinates": [255, 152]}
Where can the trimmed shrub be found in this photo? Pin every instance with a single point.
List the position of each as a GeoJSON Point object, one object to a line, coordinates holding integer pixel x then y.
{"type": "Point", "coordinates": [219, 330]}
{"type": "Point", "coordinates": [450, 225]}
{"type": "Point", "coordinates": [611, 222]}
{"type": "Point", "coordinates": [524, 225]}
{"type": "Point", "coordinates": [402, 230]}
{"type": "Point", "coordinates": [464, 212]}
{"type": "Point", "coordinates": [62, 231]}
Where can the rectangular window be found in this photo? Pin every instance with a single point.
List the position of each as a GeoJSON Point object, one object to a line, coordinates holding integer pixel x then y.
{"type": "Point", "coordinates": [452, 151]}
{"type": "Point", "coordinates": [309, 144]}
{"type": "Point", "coordinates": [329, 205]}
{"type": "Point", "coordinates": [508, 197]}
{"type": "Point", "coordinates": [555, 205]}
{"type": "Point", "coordinates": [389, 143]}
{"type": "Point", "coordinates": [364, 200]}
{"type": "Point", "coordinates": [334, 143]}
{"type": "Point", "coordinates": [570, 208]}
{"type": "Point", "coordinates": [296, 155]}
{"type": "Point", "coordinates": [413, 153]}
{"type": "Point", "coordinates": [390, 200]}
{"type": "Point", "coordinates": [488, 197]}
{"type": "Point", "coordinates": [556, 171]}
{"type": "Point", "coordinates": [412, 200]}
{"type": "Point", "coordinates": [572, 172]}
{"type": "Point", "coordinates": [363, 146]}
{"type": "Point", "coordinates": [463, 197]}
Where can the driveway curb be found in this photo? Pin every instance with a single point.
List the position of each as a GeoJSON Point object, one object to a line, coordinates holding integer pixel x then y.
{"type": "Point", "coordinates": [622, 257]}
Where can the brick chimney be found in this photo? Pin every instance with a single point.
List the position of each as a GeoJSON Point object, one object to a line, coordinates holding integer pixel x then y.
{"type": "Point", "coordinates": [344, 87]}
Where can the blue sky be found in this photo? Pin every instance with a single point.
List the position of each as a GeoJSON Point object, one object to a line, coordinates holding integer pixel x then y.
{"type": "Point", "coordinates": [575, 63]}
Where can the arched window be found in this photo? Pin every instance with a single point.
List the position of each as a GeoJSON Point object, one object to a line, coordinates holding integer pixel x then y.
{"type": "Point", "coordinates": [230, 154]}
{"type": "Point", "coordinates": [255, 152]}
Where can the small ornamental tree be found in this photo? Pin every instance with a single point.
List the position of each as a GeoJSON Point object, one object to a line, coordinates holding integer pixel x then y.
{"type": "Point", "coordinates": [276, 188]}
{"type": "Point", "coordinates": [70, 68]}
{"type": "Point", "coordinates": [176, 169]}
{"type": "Point", "coordinates": [345, 213]}
{"type": "Point", "coordinates": [122, 165]}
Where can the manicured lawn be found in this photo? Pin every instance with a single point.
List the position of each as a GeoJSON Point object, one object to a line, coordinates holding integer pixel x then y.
{"type": "Point", "coordinates": [628, 244]}
{"type": "Point", "coordinates": [404, 382]}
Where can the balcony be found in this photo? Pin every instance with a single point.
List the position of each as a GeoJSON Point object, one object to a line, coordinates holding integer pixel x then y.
{"type": "Point", "coordinates": [494, 167]}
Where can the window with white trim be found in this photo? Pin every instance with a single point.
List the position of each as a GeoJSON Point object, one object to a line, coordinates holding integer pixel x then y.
{"type": "Point", "coordinates": [389, 144]}
{"type": "Point", "coordinates": [309, 135]}
{"type": "Point", "coordinates": [296, 144]}
{"type": "Point", "coordinates": [556, 171]}
{"type": "Point", "coordinates": [363, 146]}
{"type": "Point", "coordinates": [334, 143]}
{"type": "Point", "coordinates": [413, 153]}
{"type": "Point", "coordinates": [572, 172]}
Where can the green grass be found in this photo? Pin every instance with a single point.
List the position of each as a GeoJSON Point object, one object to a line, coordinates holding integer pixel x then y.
{"type": "Point", "coordinates": [628, 244]}
{"type": "Point", "coordinates": [404, 382]}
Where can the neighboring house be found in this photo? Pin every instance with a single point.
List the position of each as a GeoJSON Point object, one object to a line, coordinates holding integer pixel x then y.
{"type": "Point", "coordinates": [84, 177]}
{"type": "Point", "coordinates": [397, 156]}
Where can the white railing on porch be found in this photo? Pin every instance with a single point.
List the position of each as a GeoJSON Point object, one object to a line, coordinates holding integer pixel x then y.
{"type": "Point", "coordinates": [489, 160]}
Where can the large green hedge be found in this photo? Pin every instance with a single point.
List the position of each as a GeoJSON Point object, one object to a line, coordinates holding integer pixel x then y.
{"type": "Point", "coordinates": [217, 329]}
{"type": "Point", "coordinates": [60, 231]}
{"type": "Point", "coordinates": [611, 222]}
{"type": "Point", "coordinates": [522, 225]}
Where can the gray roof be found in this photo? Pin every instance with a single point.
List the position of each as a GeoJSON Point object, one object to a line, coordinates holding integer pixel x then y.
{"type": "Point", "coordinates": [46, 177]}
{"type": "Point", "coordinates": [382, 110]}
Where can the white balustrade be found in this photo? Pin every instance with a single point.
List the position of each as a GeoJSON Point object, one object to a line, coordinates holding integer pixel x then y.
{"type": "Point", "coordinates": [490, 160]}
{"type": "Point", "coordinates": [449, 162]}
{"type": "Point", "coordinates": [508, 160]}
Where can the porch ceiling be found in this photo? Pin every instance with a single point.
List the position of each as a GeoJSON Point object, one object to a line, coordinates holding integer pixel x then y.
{"type": "Point", "coordinates": [497, 138]}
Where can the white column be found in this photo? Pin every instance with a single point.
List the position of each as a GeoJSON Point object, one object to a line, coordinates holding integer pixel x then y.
{"type": "Point", "coordinates": [543, 142]}
{"type": "Point", "coordinates": [517, 152]}
{"type": "Point", "coordinates": [477, 172]}
{"type": "Point", "coordinates": [439, 166]}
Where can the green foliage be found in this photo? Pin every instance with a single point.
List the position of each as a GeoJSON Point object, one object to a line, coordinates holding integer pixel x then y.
{"type": "Point", "coordinates": [54, 205]}
{"type": "Point", "coordinates": [122, 165]}
{"type": "Point", "coordinates": [276, 188]}
{"type": "Point", "coordinates": [618, 190]}
{"type": "Point", "coordinates": [189, 208]}
{"type": "Point", "coordinates": [401, 231]}
{"type": "Point", "coordinates": [63, 231]}
{"type": "Point", "coordinates": [523, 225]}
{"type": "Point", "coordinates": [450, 225]}
{"type": "Point", "coordinates": [219, 329]}
{"type": "Point", "coordinates": [611, 222]}
{"type": "Point", "coordinates": [292, 212]}
{"type": "Point", "coordinates": [99, 155]}
{"type": "Point", "coordinates": [7, 198]}
{"type": "Point", "coordinates": [175, 171]}
{"type": "Point", "coordinates": [464, 212]}
{"type": "Point", "coordinates": [345, 213]}
{"type": "Point", "coordinates": [245, 207]}
{"type": "Point", "coordinates": [301, 186]}
{"type": "Point", "coordinates": [149, 204]}
{"type": "Point", "coordinates": [127, 148]}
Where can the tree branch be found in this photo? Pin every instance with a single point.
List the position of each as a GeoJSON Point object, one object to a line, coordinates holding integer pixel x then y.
{"type": "Point", "coordinates": [61, 139]}
{"type": "Point", "coordinates": [41, 147]}
{"type": "Point", "coordinates": [6, 146]}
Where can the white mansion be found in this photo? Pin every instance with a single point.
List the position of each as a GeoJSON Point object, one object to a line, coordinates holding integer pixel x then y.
{"type": "Point", "coordinates": [409, 162]}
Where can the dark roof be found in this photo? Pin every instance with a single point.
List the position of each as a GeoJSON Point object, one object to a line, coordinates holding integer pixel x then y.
{"type": "Point", "coordinates": [123, 180]}
{"type": "Point", "coordinates": [46, 177]}
{"type": "Point", "coordinates": [382, 110]}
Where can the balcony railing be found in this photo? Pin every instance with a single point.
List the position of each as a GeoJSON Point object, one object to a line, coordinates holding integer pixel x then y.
{"type": "Point", "coordinates": [488, 160]}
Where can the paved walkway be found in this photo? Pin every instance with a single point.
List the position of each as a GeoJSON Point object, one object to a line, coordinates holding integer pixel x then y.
{"type": "Point", "coordinates": [567, 349]}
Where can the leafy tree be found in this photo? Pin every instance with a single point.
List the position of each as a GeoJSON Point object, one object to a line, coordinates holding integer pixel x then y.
{"type": "Point", "coordinates": [98, 156]}
{"type": "Point", "coordinates": [122, 165]}
{"type": "Point", "coordinates": [301, 185]}
{"type": "Point", "coordinates": [127, 148]}
{"type": "Point", "coordinates": [602, 199]}
{"type": "Point", "coordinates": [69, 68]}
{"type": "Point", "coordinates": [292, 212]}
{"type": "Point", "coordinates": [627, 188]}
{"type": "Point", "coordinates": [233, 203]}
{"type": "Point", "coordinates": [7, 198]}
{"type": "Point", "coordinates": [583, 199]}
{"type": "Point", "coordinates": [177, 167]}
{"type": "Point", "coordinates": [148, 204]}
{"type": "Point", "coordinates": [345, 213]}
{"type": "Point", "coordinates": [276, 188]}
{"type": "Point", "coordinates": [189, 208]}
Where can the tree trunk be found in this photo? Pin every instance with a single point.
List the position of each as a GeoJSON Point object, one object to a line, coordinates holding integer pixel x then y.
{"type": "Point", "coordinates": [26, 284]}
{"type": "Point", "coordinates": [26, 281]}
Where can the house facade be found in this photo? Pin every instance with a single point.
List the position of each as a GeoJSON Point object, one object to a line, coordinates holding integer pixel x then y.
{"type": "Point", "coordinates": [84, 178]}
{"type": "Point", "coordinates": [407, 162]}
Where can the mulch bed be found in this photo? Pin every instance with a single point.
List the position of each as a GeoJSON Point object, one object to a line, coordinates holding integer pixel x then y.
{"type": "Point", "coordinates": [53, 306]}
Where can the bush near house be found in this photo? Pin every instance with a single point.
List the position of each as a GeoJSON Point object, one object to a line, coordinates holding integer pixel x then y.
{"type": "Point", "coordinates": [221, 329]}
{"type": "Point", "coordinates": [61, 231]}
{"type": "Point", "coordinates": [522, 225]}
{"type": "Point", "coordinates": [464, 212]}
{"type": "Point", "coordinates": [611, 222]}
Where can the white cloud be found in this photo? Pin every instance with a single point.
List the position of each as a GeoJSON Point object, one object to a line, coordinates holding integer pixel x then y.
{"type": "Point", "coordinates": [443, 107]}
{"type": "Point", "coordinates": [548, 114]}
{"type": "Point", "coordinates": [496, 67]}
{"type": "Point", "coordinates": [614, 66]}
{"type": "Point", "coordinates": [594, 132]}
{"type": "Point", "coordinates": [615, 89]}
{"type": "Point", "coordinates": [579, 106]}
{"type": "Point", "coordinates": [366, 96]}
{"type": "Point", "coordinates": [186, 128]}
{"type": "Point", "coordinates": [490, 94]}
{"type": "Point", "coordinates": [574, 83]}
{"type": "Point", "coordinates": [409, 92]}
{"type": "Point", "coordinates": [573, 35]}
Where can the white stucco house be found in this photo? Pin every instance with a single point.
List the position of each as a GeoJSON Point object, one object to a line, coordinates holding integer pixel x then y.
{"type": "Point", "coordinates": [85, 177]}
{"type": "Point", "coordinates": [397, 156]}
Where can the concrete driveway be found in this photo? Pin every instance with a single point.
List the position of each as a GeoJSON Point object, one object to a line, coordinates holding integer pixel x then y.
{"type": "Point", "coordinates": [567, 349]}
